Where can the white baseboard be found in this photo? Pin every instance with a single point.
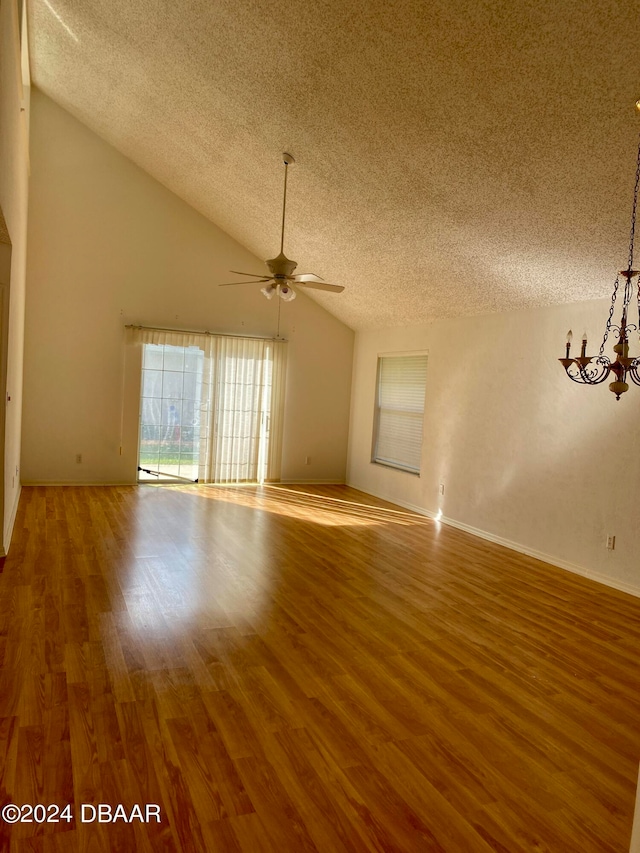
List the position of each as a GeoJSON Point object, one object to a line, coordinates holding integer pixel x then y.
{"type": "Point", "coordinates": [307, 483]}
{"type": "Point", "coordinates": [513, 546]}
{"type": "Point", "coordinates": [176, 483]}
{"type": "Point", "coordinates": [73, 483]}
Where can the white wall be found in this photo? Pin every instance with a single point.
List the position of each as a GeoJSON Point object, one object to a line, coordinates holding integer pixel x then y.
{"type": "Point", "coordinates": [526, 456]}
{"type": "Point", "coordinates": [108, 245]}
{"type": "Point", "coordinates": [14, 181]}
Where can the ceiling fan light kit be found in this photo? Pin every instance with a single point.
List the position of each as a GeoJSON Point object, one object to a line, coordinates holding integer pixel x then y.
{"type": "Point", "coordinates": [590, 370]}
{"type": "Point", "coordinates": [288, 294]}
{"type": "Point", "coordinates": [281, 268]}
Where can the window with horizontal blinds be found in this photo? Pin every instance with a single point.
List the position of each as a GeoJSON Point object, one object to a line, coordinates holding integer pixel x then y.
{"type": "Point", "coordinates": [397, 437]}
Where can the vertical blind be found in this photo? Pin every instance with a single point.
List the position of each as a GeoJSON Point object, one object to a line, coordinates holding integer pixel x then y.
{"type": "Point", "coordinates": [399, 414]}
{"type": "Point", "coordinates": [239, 391]}
{"type": "Point", "coordinates": [241, 403]}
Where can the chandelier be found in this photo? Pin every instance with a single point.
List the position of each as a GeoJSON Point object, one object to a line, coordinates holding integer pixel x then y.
{"type": "Point", "coordinates": [590, 370]}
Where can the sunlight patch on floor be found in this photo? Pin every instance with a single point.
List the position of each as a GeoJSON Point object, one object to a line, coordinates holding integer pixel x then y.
{"type": "Point", "coordinates": [313, 508]}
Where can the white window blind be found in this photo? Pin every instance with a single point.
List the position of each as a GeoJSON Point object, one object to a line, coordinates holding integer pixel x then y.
{"type": "Point", "coordinates": [397, 438]}
{"type": "Point", "coordinates": [240, 411]}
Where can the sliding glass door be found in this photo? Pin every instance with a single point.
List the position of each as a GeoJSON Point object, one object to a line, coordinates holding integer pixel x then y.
{"type": "Point", "coordinates": [211, 409]}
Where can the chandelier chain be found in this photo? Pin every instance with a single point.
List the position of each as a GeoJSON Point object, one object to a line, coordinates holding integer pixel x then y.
{"type": "Point", "coordinates": [607, 328]}
{"type": "Point", "coordinates": [633, 211]}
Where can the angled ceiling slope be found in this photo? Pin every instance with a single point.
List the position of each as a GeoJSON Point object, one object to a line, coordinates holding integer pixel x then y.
{"type": "Point", "coordinates": [4, 231]}
{"type": "Point", "coordinates": [452, 157]}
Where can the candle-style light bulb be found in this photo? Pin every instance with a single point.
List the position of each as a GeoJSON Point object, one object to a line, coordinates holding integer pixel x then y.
{"type": "Point", "coordinates": [583, 354]}
{"type": "Point", "coordinates": [569, 339]}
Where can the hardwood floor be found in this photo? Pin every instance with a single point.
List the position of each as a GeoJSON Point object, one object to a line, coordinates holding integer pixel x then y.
{"type": "Point", "coordinates": [286, 669]}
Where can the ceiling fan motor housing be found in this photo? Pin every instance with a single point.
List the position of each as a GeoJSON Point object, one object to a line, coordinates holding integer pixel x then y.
{"type": "Point", "coordinates": [281, 266]}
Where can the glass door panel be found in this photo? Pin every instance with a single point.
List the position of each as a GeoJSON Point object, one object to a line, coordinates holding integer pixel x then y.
{"type": "Point", "coordinates": [170, 412]}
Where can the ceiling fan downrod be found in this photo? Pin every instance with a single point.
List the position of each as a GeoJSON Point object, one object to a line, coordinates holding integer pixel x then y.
{"type": "Point", "coordinates": [287, 159]}
{"type": "Point", "coordinates": [281, 267]}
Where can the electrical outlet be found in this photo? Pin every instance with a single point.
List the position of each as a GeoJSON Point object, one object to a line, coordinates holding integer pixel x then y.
{"type": "Point", "coordinates": [78, 458]}
{"type": "Point", "coordinates": [307, 460]}
{"type": "Point", "coordinates": [611, 543]}
{"type": "Point", "coordinates": [441, 488]}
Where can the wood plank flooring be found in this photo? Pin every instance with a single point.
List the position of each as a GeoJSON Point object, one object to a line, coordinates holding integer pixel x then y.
{"type": "Point", "coordinates": [290, 669]}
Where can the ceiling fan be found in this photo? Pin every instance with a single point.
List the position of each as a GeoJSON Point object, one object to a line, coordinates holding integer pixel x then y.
{"type": "Point", "coordinates": [281, 268]}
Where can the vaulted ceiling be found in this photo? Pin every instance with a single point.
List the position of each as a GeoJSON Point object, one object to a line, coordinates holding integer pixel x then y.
{"type": "Point", "coordinates": [452, 157]}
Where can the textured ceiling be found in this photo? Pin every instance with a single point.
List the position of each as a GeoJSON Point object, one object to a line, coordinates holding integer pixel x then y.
{"type": "Point", "coordinates": [455, 156]}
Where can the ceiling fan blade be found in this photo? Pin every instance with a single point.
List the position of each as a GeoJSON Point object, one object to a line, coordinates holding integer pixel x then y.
{"type": "Point", "coordinates": [256, 281]}
{"type": "Point", "coordinates": [252, 274]}
{"type": "Point", "coordinates": [321, 285]}
{"type": "Point", "coordinates": [307, 276]}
